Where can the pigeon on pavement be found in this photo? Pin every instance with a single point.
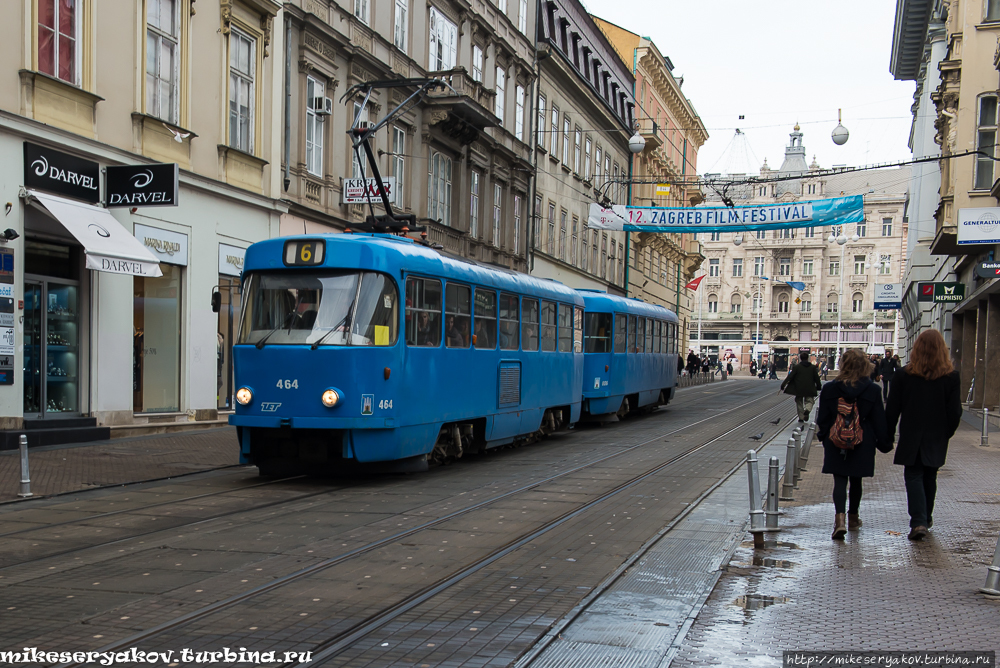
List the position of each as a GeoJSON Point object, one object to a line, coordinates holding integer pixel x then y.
{"type": "Point", "coordinates": [775, 420]}
{"type": "Point", "coordinates": [757, 437]}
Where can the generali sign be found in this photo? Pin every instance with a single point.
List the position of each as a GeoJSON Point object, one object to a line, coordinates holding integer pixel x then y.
{"type": "Point", "coordinates": [57, 172]}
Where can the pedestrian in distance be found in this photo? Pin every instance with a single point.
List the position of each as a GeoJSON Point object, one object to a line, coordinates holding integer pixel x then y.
{"type": "Point", "coordinates": [887, 369]}
{"type": "Point", "coordinates": [825, 370]}
{"type": "Point", "coordinates": [680, 366]}
{"type": "Point", "coordinates": [851, 424]}
{"type": "Point", "coordinates": [925, 399]}
{"type": "Point", "coordinates": [729, 368]}
{"type": "Point", "coordinates": [773, 371]}
{"type": "Point", "coordinates": [693, 364]}
{"type": "Point", "coordinates": [803, 382]}
{"type": "Point", "coordinates": [753, 367]}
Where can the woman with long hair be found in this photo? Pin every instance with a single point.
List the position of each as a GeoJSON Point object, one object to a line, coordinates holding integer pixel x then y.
{"type": "Point", "coordinates": [849, 403]}
{"type": "Point", "coordinates": [924, 397]}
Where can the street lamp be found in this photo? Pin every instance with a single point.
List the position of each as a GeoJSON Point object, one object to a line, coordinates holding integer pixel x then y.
{"type": "Point", "coordinates": [880, 264]}
{"type": "Point", "coordinates": [840, 239]}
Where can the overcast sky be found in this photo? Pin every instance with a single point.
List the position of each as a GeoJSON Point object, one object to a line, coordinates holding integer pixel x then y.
{"type": "Point", "coordinates": [778, 62]}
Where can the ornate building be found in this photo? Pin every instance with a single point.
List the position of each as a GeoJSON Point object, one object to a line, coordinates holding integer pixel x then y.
{"type": "Point", "coordinates": [747, 273]}
{"type": "Point", "coordinates": [661, 264]}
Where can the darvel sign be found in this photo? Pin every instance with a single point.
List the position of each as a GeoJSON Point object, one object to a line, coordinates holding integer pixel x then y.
{"type": "Point", "coordinates": [57, 172]}
{"type": "Point", "coordinates": [142, 185]}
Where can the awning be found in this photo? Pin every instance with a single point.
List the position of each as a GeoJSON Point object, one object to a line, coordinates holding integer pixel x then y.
{"type": "Point", "coordinates": [109, 247]}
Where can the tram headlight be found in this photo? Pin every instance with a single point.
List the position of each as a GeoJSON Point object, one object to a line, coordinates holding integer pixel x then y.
{"type": "Point", "coordinates": [330, 398]}
{"type": "Point", "coordinates": [244, 396]}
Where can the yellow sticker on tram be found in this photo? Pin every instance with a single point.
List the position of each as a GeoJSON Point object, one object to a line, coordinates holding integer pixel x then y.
{"type": "Point", "coordinates": [381, 335]}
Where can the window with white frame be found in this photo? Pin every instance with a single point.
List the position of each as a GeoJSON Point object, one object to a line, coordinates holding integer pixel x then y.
{"type": "Point", "coordinates": [162, 57]}
{"type": "Point", "coordinates": [550, 242]}
{"type": "Point", "coordinates": [758, 303]}
{"type": "Point", "coordinates": [584, 251]}
{"type": "Point", "coordinates": [604, 255]}
{"type": "Point", "coordinates": [474, 205]}
{"type": "Point", "coordinates": [497, 212]}
{"type": "Point", "coordinates": [397, 164]}
{"type": "Point", "coordinates": [885, 265]}
{"type": "Point", "coordinates": [517, 223]}
{"type": "Point", "coordinates": [737, 267]}
{"type": "Point", "coordinates": [715, 236]}
{"type": "Point", "coordinates": [785, 266]}
{"type": "Point", "coordinates": [857, 302]}
{"type": "Point", "coordinates": [359, 165]}
{"type": "Point", "coordinates": [859, 264]}
{"type": "Point", "coordinates": [713, 303]}
{"type": "Point", "coordinates": [832, 305]}
{"type": "Point", "coordinates": [835, 267]}
{"type": "Point", "coordinates": [536, 227]}
{"type": "Point", "coordinates": [554, 132]}
{"type": "Point", "coordinates": [519, 112]}
{"type": "Point", "coordinates": [361, 10]}
{"type": "Point", "coordinates": [593, 254]}
{"type": "Point", "coordinates": [887, 227]}
{"type": "Point", "coordinates": [807, 266]}
{"type": "Point", "coordinates": [443, 42]}
{"type": "Point", "coordinates": [783, 303]}
{"type": "Point", "coordinates": [59, 39]}
{"type": "Point", "coordinates": [577, 140]}
{"type": "Point", "coordinates": [758, 265]}
{"type": "Point", "coordinates": [713, 267]}
{"type": "Point", "coordinates": [501, 85]}
{"type": "Point", "coordinates": [574, 240]}
{"type": "Point", "coordinates": [986, 137]}
{"type": "Point", "coordinates": [736, 304]}
{"type": "Point", "coordinates": [597, 165]}
{"type": "Point", "coordinates": [522, 17]}
{"type": "Point", "coordinates": [565, 144]}
{"type": "Point", "coordinates": [242, 75]}
{"type": "Point", "coordinates": [439, 188]}
{"type": "Point", "coordinates": [586, 159]}
{"type": "Point", "coordinates": [562, 234]}
{"type": "Point", "coordinates": [477, 63]}
{"type": "Point", "coordinates": [761, 234]}
{"type": "Point", "coordinates": [315, 92]}
{"type": "Point", "coordinates": [615, 188]}
{"type": "Point", "coordinates": [810, 233]}
{"type": "Point", "coordinates": [400, 26]}
{"type": "Point", "coordinates": [806, 306]}
{"type": "Point", "coordinates": [621, 263]}
{"type": "Point", "coordinates": [541, 121]}
{"type": "Point", "coordinates": [862, 229]}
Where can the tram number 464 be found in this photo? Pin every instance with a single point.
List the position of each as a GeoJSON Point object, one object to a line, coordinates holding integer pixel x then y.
{"type": "Point", "coordinates": [385, 403]}
{"type": "Point", "coordinates": [288, 384]}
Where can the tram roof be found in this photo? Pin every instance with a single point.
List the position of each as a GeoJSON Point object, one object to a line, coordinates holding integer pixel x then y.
{"type": "Point", "coordinates": [595, 300]}
{"type": "Point", "coordinates": [398, 255]}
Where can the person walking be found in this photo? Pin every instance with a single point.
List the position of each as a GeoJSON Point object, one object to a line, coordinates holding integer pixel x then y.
{"type": "Point", "coordinates": [772, 371]}
{"type": "Point", "coordinates": [825, 370]}
{"type": "Point", "coordinates": [680, 366]}
{"type": "Point", "coordinates": [888, 368]}
{"type": "Point", "coordinates": [851, 400]}
{"type": "Point", "coordinates": [753, 367]}
{"type": "Point", "coordinates": [803, 382]}
{"type": "Point", "coordinates": [693, 363]}
{"type": "Point", "coordinates": [925, 398]}
{"type": "Point", "coordinates": [729, 368]}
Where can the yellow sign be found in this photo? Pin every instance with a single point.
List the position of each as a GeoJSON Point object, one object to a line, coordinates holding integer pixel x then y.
{"type": "Point", "coordinates": [798, 301]}
{"type": "Point", "coordinates": [662, 189]}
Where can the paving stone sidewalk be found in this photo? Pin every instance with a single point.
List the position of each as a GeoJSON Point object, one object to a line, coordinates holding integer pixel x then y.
{"type": "Point", "coordinates": [58, 469]}
{"type": "Point", "coordinates": [874, 591]}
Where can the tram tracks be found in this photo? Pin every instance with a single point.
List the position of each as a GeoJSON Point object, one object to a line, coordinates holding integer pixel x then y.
{"type": "Point", "coordinates": [344, 639]}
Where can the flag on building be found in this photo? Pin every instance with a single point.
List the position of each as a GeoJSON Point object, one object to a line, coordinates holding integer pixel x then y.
{"type": "Point", "coordinates": [693, 285]}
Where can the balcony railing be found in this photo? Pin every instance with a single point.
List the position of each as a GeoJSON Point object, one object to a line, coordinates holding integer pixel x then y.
{"type": "Point", "coordinates": [649, 131]}
{"type": "Point", "coordinates": [710, 315]}
{"type": "Point", "coordinates": [854, 316]}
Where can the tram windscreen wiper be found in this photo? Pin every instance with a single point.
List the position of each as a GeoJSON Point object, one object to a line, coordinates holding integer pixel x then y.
{"type": "Point", "coordinates": [263, 339]}
{"type": "Point", "coordinates": [346, 323]}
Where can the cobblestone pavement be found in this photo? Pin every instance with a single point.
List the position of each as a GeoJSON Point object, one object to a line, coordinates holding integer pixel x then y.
{"type": "Point", "coordinates": [59, 469]}
{"type": "Point", "coordinates": [874, 591]}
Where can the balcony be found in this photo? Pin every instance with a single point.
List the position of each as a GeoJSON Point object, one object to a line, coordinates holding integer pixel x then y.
{"type": "Point", "coordinates": [649, 131]}
{"type": "Point", "coordinates": [707, 315]}
{"type": "Point", "coordinates": [862, 316]}
{"type": "Point", "coordinates": [464, 112]}
{"type": "Point", "coordinates": [858, 279]}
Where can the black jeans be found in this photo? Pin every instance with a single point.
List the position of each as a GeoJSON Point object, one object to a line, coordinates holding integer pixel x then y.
{"type": "Point", "coordinates": [885, 389]}
{"type": "Point", "coordinates": [840, 493]}
{"type": "Point", "coordinates": [921, 487]}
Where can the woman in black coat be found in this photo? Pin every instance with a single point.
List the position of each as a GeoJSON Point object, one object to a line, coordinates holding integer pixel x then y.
{"type": "Point", "coordinates": [924, 397]}
{"type": "Point", "coordinates": [854, 385]}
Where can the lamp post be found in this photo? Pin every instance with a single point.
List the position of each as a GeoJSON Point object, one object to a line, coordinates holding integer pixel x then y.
{"type": "Point", "coordinates": [878, 265]}
{"type": "Point", "coordinates": [840, 239]}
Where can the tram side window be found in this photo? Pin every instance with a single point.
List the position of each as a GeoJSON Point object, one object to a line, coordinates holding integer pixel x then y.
{"type": "Point", "coordinates": [631, 333]}
{"type": "Point", "coordinates": [548, 326]}
{"type": "Point", "coordinates": [529, 324]}
{"type": "Point", "coordinates": [649, 336]}
{"type": "Point", "coordinates": [621, 332]}
{"type": "Point", "coordinates": [376, 316]}
{"type": "Point", "coordinates": [673, 337]}
{"type": "Point", "coordinates": [656, 336]}
{"type": "Point", "coordinates": [486, 320]}
{"type": "Point", "coordinates": [423, 312]}
{"type": "Point", "coordinates": [663, 337]}
{"type": "Point", "coordinates": [565, 328]}
{"type": "Point", "coordinates": [577, 329]}
{"type": "Point", "coordinates": [640, 334]}
{"type": "Point", "coordinates": [597, 333]}
{"type": "Point", "coordinates": [457, 315]}
{"type": "Point", "coordinates": [509, 325]}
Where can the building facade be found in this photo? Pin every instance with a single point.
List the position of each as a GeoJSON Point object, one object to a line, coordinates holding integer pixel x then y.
{"type": "Point", "coordinates": [664, 174]}
{"type": "Point", "coordinates": [88, 86]}
{"type": "Point", "coordinates": [461, 156]}
{"type": "Point", "coordinates": [950, 50]}
{"type": "Point", "coordinates": [745, 297]}
{"type": "Point", "coordinates": [585, 115]}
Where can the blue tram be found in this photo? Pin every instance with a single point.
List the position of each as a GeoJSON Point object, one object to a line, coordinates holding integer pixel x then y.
{"type": "Point", "coordinates": [630, 355]}
{"type": "Point", "coordinates": [376, 348]}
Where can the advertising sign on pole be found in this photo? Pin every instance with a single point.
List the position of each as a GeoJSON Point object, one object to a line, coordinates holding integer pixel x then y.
{"type": "Point", "coordinates": [888, 296]}
{"type": "Point", "coordinates": [925, 292]}
{"type": "Point", "coordinates": [988, 270]}
{"type": "Point", "coordinates": [142, 185]}
{"type": "Point", "coordinates": [979, 226]}
{"type": "Point", "coordinates": [949, 292]}
{"type": "Point", "coordinates": [357, 191]}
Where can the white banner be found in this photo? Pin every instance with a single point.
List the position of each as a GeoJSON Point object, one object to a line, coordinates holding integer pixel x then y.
{"type": "Point", "coordinates": [979, 226]}
{"type": "Point", "coordinates": [231, 260]}
{"type": "Point", "coordinates": [357, 191]}
{"type": "Point", "coordinates": [888, 296]}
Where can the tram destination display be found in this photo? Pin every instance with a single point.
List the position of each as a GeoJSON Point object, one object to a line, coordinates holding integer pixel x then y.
{"type": "Point", "coordinates": [305, 252]}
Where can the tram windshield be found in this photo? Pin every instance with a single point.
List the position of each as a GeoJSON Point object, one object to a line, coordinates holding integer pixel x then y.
{"type": "Point", "coordinates": [321, 309]}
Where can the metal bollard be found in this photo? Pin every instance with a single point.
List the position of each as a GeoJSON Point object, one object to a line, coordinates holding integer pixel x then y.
{"type": "Point", "coordinates": [992, 585]}
{"type": "Point", "coordinates": [756, 511]}
{"type": "Point", "coordinates": [799, 434]}
{"type": "Point", "coordinates": [25, 479]}
{"type": "Point", "coordinates": [797, 439]}
{"type": "Point", "coordinates": [810, 437]}
{"type": "Point", "coordinates": [771, 513]}
{"type": "Point", "coordinates": [788, 483]}
{"type": "Point", "coordinates": [985, 440]}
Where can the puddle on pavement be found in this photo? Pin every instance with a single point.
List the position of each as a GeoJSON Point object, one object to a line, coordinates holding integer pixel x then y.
{"type": "Point", "coordinates": [773, 544]}
{"type": "Point", "coordinates": [758, 601]}
{"type": "Point", "coordinates": [773, 563]}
